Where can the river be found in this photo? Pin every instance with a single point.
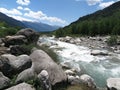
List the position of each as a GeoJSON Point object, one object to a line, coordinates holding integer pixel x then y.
{"type": "Point", "coordinates": [79, 57]}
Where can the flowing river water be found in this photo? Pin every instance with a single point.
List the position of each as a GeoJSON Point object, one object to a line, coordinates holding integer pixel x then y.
{"type": "Point", "coordinates": [79, 57]}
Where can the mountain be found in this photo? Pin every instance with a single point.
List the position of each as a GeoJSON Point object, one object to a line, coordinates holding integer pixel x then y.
{"type": "Point", "coordinates": [10, 21]}
{"type": "Point", "coordinates": [102, 22]}
{"type": "Point", "coordinates": [40, 27]}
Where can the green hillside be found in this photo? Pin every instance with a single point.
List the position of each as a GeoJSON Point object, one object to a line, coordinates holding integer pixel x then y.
{"type": "Point", "coordinates": [102, 22]}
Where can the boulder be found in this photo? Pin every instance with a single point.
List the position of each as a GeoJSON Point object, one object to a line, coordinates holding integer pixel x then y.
{"type": "Point", "coordinates": [26, 75]}
{"type": "Point", "coordinates": [99, 52]}
{"type": "Point", "coordinates": [4, 81]}
{"type": "Point", "coordinates": [41, 61]}
{"type": "Point", "coordinates": [14, 40]}
{"type": "Point", "coordinates": [88, 80]}
{"type": "Point", "coordinates": [73, 80]}
{"type": "Point", "coordinates": [22, 62]}
{"type": "Point", "coordinates": [19, 63]}
{"type": "Point", "coordinates": [31, 35]}
{"type": "Point", "coordinates": [70, 72]}
{"type": "Point", "coordinates": [113, 84]}
{"type": "Point", "coordinates": [5, 66]}
{"type": "Point", "coordinates": [22, 86]}
{"type": "Point", "coordinates": [19, 50]}
{"type": "Point", "coordinates": [44, 80]}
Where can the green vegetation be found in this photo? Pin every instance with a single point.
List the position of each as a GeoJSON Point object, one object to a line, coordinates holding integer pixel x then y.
{"type": "Point", "coordinates": [102, 22]}
{"type": "Point", "coordinates": [5, 29]}
{"type": "Point", "coordinates": [112, 40]}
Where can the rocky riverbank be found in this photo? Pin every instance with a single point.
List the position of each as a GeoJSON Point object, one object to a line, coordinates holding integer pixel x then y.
{"type": "Point", "coordinates": [36, 70]}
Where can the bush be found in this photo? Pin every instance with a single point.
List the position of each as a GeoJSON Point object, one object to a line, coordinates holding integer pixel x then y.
{"type": "Point", "coordinates": [112, 40]}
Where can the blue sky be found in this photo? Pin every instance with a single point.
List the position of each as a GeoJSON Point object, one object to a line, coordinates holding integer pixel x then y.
{"type": "Point", "coordinates": [53, 12]}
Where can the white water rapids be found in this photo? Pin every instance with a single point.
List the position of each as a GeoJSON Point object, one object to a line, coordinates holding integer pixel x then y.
{"type": "Point", "coordinates": [79, 57]}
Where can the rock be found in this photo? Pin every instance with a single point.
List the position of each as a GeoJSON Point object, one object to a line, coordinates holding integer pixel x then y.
{"type": "Point", "coordinates": [4, 81]}
{"type": "Point", "coordinates": [44, 80]}
{"type": "Point", "coordinates": [70, 72]}
{"type": "Point", "coordinates": [41, 61]}
{"type": "Point", "coordinates": [99, 52]}
{"type": "Point", "coordinates": [14, 40]}
{"type": "Point", "coordinates": [73, 80]}
{"type": "Point", "coordinates": [26, 75]}
{"type": "Point", "coordinates": [13, 64]}
{"type": "Point", "coordinates": [31, 35]}
{"type": "Point", "coordinates": [5, 66]}
{"type": "Point", "coordinates": [22, 86]}
{"type": "Point", "coordinates": [88, 80]}
{"type": "Point", "coordinates": [4, 50]}
{"type": "Point", "coordinates": [19, 50]}
{"type": "Point", "coordinates": [113, 84]}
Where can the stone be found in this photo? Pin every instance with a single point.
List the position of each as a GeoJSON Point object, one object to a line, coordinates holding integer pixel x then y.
{"type": "Point", "coordinates": [88, 80]}
{"type": "Point", "coordinates": [73, 80]}
{"type": "Point", "coordinates": [5, 66]}
{"type": "Point", "coordinates": [113, 83]}
{"type": "Point", "coordinates": [14, 40]}
{"type": "Point", "coordinates": [19, 63]}
{"type": "Point", "coordinates": [4, 81]}
{"type": "Point", "coordinates": [22, 86]}
{"type": "Point", "coordinates": [19, 50]}
{"type": "Point", "coordinates": [26, 75]}
{"type": "Point", "coordinates": [99, 52]}
{"type": "Point", "coordinates": [42, 61]}
{"type": "Point", "coordinates": [31, 35]}
{"type": "Point", "coordinates": [70, 72]}
{"type": "Point", "coordinates": [44, 80]}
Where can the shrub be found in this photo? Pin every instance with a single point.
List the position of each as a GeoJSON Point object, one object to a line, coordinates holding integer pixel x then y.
{"type": "Point", "coordinates": [112, 40]}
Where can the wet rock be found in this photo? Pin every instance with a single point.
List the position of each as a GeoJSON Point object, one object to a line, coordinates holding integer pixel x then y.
{"type": "Point", "coordinates": [4, 81]}
{"type": "Point", "coordinates": [113, 84]}
{"type": "Point", "coordinates": [44, 80]}
{"type": "Point", "coordinates": [70, 72]}
{"type": "Point", "coordinates": [31, 35]}
{"type": "Point", "coordinates": [73, 80]}
{"type": "Point", "coordinates": [22, 86]}
{"type": "Point", "coordinates": [99, 52]}
{"type": "Point", "coordinates": [14, 40]}
{"type": "Point", "coordinates": [26, 75]}
{"type": "Point", "coordinates": [41, 61]}
{"type": "Point", "coordinates": [88, 80]}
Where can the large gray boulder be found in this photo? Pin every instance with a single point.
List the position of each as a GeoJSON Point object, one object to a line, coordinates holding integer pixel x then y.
{"type": "Point", "coordinates": [31, 35]}
{"type": "Point", "coordinates": [5, 66]}
{"type": "Point", "coordinates": [113, 84]}
{"type": "Point", "coordinates": [26, 75]}
{"type": "Point", "coordinates": [22, 86]}
{"type": "Point", "coordinates": [88, 80]}
{"type": "Point", "coordinates": [100, 52]}
{"type": "Point", "coordinates": [4, 81]}
{"type": "Point", "coordinates": [19, 63]}
{"type": "Point", "coordinates": [41, 61]}
{"type": "Point", "coordinates": [14, 40]}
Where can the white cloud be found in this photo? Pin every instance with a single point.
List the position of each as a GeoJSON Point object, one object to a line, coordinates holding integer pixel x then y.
{"type": "Point", "coordinates": [39, 15]}
{"type": "Point", "coordinates": [27, 9]}
{"type": "Point", "coordinates": [35, 15]}
{"type": "Point", "coordinates": [93, 2]}
{"type": "Point", "coordinates": [106, 4]}
{"type": "Point", "coordinates": [20, 18]}
{"type": "Point", "coordinates": [20, 8]}
{"type": "Point", "coordinates": [53, 19]}
{"type": "Point", "coordinates": [23, 2]}
{"type": "Point", "coordinates": [12, 11]}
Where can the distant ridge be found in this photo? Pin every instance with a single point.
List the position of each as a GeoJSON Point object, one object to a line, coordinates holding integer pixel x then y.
{"type": "Point", "coordinates": [102, 22]}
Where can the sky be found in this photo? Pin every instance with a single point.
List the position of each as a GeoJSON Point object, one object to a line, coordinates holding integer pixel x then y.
{"type": "Point", "coordinates": [52, 12]}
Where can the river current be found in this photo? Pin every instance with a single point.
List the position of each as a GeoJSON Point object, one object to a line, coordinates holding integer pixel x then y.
{"type": "Point", "coordinates": [100, 68]}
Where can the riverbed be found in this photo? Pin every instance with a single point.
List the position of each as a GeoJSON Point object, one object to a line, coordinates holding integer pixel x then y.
{"type": "Point", "coordinates": [79, 57]}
